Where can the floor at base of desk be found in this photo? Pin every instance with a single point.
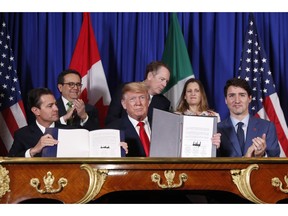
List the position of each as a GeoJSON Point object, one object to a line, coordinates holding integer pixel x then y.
{"type": "Point", "coordinates": [170, 196]}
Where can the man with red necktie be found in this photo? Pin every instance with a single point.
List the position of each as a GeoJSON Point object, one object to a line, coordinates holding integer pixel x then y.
{"type": "Point", "coordinates": [135, 125]}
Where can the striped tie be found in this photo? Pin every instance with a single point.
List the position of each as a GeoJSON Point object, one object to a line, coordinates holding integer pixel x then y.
{"type": "Point", "coordinates": [70, 120]}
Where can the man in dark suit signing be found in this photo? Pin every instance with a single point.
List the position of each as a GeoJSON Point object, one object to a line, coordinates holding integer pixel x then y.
{"type": "Point", "coordinates": [30, 140]}
{"type": "Point", "coordinates": [72, 110]}
{"type": "Point", "coordinates": [259, 136]}
{"type": "Point", "coordinates": [156, 78]}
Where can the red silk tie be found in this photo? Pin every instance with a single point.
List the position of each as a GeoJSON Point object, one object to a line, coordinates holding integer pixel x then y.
{"type": "Point", "coordinates": [144, 138]}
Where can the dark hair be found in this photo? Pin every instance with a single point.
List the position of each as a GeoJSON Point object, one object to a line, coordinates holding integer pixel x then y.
{"type": "Point", "coordinates": [61, 76]}
{"type": "Point", "coordinates": [183, 105]}
{"type": "Point", "coordinates": [34, 96]}
{"type": "Point", "coordinates": [237, 82]}
{"type": "Point", "coordinates": [154, 67]}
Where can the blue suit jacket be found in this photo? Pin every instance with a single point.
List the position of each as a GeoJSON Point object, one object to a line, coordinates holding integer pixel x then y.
{"type": "Point", "coordinates": [230, 146]}
{"type": "Point", "coordinates": [135, 148]}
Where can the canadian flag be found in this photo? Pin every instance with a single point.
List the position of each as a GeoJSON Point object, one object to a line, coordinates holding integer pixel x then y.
{"type": "Point", "coordinates": [86, 60]}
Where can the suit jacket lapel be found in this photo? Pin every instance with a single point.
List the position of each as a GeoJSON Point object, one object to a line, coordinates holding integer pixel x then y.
{"type": "Point", "coordinates": [61, 107]}
{"type": "Point", "coordinates": [251, 132]}
{"type": "Point", "coordinates": [150, 109]}
{"type": "Point", "coordinates": [35, 130]}
{"type": "Point", "coordinates": [133, 135]}
{"type": "Point", "coordinates": [232, 136]}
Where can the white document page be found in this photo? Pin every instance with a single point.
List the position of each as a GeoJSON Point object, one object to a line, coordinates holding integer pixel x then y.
{"type": "Point", "coordinates": [196, 136]}
{"type": "Point", "coordinates": [105, 143]}
{"type": "Point", "coordinates": [73, 143]}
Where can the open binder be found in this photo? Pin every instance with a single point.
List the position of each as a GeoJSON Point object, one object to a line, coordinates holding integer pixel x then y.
{"type": "Point", "coordinates": [175, 135]}
{"type": "Point", "coordinates": [84, 143]}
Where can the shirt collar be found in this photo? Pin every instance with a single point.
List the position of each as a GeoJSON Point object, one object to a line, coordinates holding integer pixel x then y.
{"type": "Point", "coordinates": [65, 101]}
{"type": "Point", "coordinates": [135, 122]}
{"type": "Point", "coordinates": [42, 128]}
{"type": "Point", "coordinates": [245, 121]}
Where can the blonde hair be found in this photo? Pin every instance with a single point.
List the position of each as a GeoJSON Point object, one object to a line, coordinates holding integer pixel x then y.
{"type": "Point", "coordinates": [135, 87]}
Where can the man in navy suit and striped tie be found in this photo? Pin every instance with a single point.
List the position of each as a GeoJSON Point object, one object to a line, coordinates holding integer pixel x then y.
{"type": "Point", "coordinates": [72, 109]}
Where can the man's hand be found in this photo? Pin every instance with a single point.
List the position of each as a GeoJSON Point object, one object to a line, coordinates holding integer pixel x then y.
{"type": "Point", "coordinates": [259, 144]}
{"type": "Point", "coordinates": [69, 114]}
{"type": "Point", "coordinates": [216, 140]}
{"type": "Point", "coordinates": [45, 140]}
{"type": "Point", "coordinates": [124, 145]}
{"type": "Point", "coordinates": [79, 105]}
{"type": "Point", "coordinates": [258, 147]}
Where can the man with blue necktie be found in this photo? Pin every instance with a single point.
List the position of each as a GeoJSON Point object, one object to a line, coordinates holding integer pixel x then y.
{"type": "Point", "coordinates": [243, 135]}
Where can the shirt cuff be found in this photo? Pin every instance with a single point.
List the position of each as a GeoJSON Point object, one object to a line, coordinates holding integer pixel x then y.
{"type": "Point", "coordinates": [27, 154]}
{"type": "Point", "coordinates": [62, 120]}
{"type": "Point", "coordinates": [82, 122]}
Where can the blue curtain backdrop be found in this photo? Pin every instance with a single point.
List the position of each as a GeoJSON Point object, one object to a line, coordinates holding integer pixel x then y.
{"type": "Point", "coordinates": [43, 45]}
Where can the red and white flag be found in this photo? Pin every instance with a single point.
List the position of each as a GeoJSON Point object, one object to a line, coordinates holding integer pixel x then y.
{"type": "Point", "coordinates": [255, 69]}
{"type": "Point", "coordinates": [86, 60]}
{"type": "Point", "coordinates": [12, 113]}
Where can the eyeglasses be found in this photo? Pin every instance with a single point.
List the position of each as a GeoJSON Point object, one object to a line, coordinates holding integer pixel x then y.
{"type": "Point", "coordinates": [72, 84]}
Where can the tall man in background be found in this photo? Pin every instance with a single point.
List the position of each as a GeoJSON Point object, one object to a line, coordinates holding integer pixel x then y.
{"type": "Point", "coordinates": [156, 78]}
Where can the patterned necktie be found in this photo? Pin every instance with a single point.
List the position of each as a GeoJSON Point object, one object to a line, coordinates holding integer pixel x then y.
{"type": "Point", "coordinates": [240, 135]}
{"type": "Point", "coordinates": [70, 120]}
{"type": "Point", "coordinates": [144, 138]}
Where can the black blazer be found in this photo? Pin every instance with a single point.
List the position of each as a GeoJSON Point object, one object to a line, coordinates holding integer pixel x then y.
{"type": "Point", "coordinates": [92, 122]}
{"type": "Point", "coordinates": [26, 138]}
{"type": "Point", "coordinates": [116, 111]}
{"type": "Point", "coordinates": [135, 148]}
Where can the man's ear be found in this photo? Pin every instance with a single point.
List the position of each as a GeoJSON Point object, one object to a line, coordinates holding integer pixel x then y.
{"type": "Point", "coordinates": [149, 75]}
{"type": "Point", "coordinates": [35, 110]}
{"type": "Point", "coordinates": [123, 104]}
{"type": "Point", "coordinates": [60, 86]}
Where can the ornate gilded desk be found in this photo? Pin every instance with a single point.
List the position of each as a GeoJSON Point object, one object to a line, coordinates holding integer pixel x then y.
{"type": "Point", "coordinates": [81, 180]}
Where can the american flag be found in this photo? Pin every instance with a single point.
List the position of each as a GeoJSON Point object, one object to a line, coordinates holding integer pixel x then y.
{"type": "Point", "coordinates": [12, 113]}
{"type": "Point", "coordinates": [254, 68]}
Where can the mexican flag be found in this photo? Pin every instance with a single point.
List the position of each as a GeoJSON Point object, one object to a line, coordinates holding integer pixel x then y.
{"type": "Point", "coordinates": [176, 56]}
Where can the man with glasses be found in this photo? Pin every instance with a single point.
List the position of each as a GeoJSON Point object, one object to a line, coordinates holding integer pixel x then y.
{"type": "Point", "coordinates": [72, 109]}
